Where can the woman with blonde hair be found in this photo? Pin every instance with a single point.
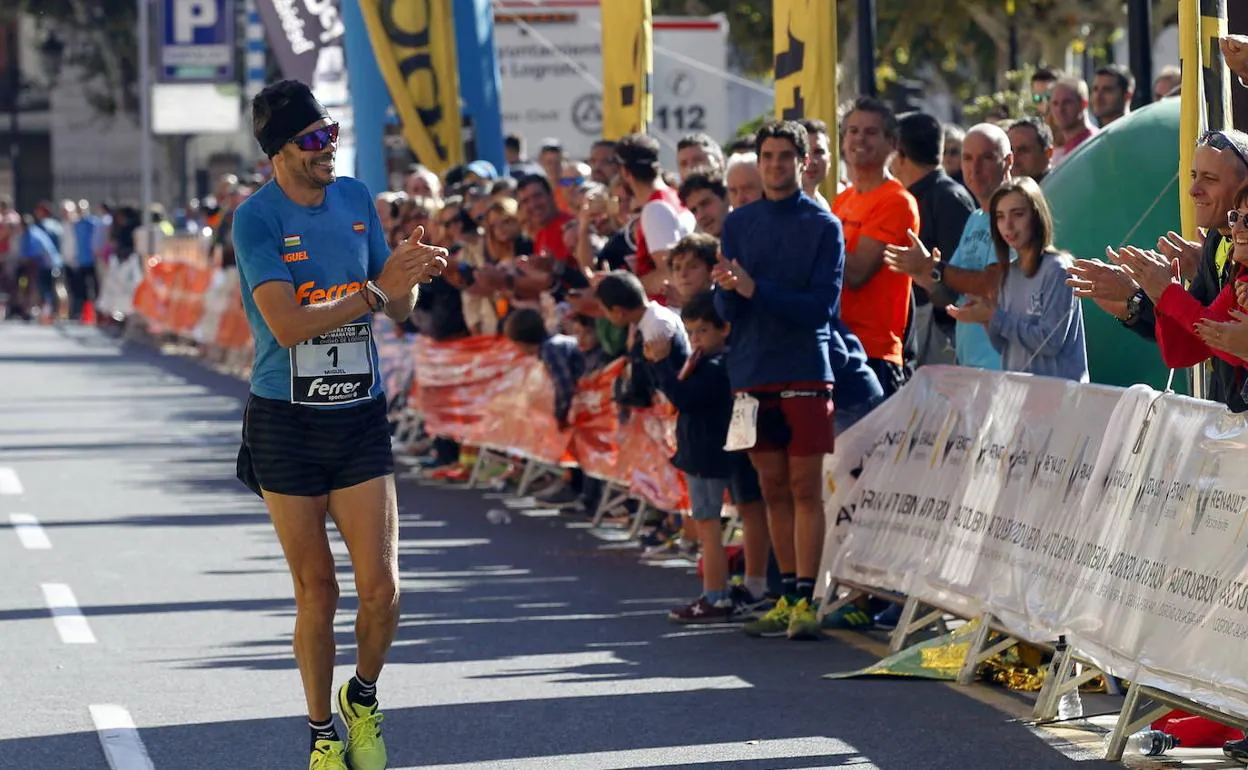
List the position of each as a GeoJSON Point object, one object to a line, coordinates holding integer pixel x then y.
{"type": "Point", "coordinates": [1037, 323]}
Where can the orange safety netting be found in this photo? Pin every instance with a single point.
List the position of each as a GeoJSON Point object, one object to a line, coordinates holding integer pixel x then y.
{"type": "Point", "coordinates": [482, 391]}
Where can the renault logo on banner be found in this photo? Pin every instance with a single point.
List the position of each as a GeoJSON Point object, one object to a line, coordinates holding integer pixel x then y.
{"type": "Point", "coordinates": [414, 44]}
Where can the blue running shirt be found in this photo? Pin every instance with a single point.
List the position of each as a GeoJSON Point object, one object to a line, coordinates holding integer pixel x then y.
{"type": "Point", "coordinates": [324, 252]}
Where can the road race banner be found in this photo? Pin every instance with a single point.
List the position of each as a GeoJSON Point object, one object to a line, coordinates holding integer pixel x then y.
{"type": "Point", "coordinates": [627, 67]}
{"type": "Point", "coordinates": [306, 38]}
{"type": "Point", "coordinates": [414, 44]}
{"type": "Point", "coordinates": [1113, 517]}
{"type": "Point", "coordinates": [804, 39]}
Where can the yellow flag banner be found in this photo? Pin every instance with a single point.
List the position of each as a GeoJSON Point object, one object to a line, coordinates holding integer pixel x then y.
{"type": "Point", "coordinates": [1206, 95]}
{"type": "Point", "coordinates": [804, 41]}
{"type": "Point", "coordinates": [627, 66]}
{"type": "Point", "coordinates": [414, 44]}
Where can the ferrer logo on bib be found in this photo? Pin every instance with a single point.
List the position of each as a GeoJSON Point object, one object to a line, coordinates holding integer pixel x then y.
{"type": "Point", "coordinates": [333, 368]}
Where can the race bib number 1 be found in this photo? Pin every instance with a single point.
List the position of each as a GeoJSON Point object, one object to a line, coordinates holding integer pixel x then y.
{"type": "Point", "coordinates": [335, 368]}
{"type": "Point", "coordinates": [743, 430]}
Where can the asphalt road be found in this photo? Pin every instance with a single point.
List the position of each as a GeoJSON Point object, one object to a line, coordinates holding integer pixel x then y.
{"type": "Point", "coordinates": [532, 644]}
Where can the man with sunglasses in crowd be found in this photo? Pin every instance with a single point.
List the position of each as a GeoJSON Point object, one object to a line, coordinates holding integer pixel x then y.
{"type": "Point", "coordinates": [1125, 287]}
{"type": "Point", "coordinates": [314, 266]}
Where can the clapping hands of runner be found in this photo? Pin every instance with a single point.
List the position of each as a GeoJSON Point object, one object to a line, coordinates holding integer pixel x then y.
{"type": "Point", "coordinates": [977, 310]}
{"type": "Point", "coordinates": [730, 276]}
{"type": "Point", "coordinates": [421, 261]}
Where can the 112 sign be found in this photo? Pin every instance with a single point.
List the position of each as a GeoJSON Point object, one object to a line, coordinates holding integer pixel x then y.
{"type": "Point", "coordinates": [688, 117]}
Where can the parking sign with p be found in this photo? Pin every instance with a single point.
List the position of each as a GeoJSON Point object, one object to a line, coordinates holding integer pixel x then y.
{"type": "Point", "coordinates": [197, 41]}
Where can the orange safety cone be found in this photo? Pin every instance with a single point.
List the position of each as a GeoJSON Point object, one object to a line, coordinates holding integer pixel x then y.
{"type": "Point", "coordinates": [88, 313]}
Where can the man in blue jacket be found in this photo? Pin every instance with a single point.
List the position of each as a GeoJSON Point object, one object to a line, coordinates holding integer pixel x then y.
{"type": "Point", "coordinates": [779, 280]}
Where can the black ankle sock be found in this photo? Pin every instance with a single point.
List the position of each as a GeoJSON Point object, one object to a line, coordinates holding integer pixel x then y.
{"type": "Point", "coordinates": [362, 691]}
{"type": "Point", "coordinates": [788, 584]}
{"type": "Point", "coordinates": [323, 731]}
{"type": "Point", "coordinates": [805, 588]}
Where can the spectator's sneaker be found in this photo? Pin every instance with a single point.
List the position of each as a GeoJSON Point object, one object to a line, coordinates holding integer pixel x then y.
{"type": "Point", "coordinates": [700, 611]}
{"type": "Point", "coordinates": [559, 495]}
{"type": "Point", "coordinates": [774, 623]}
{"type": "Point", "coordinates": [748, 606]}
{"type": "Point", "coordinates": [656, 536]}
{"type": "Point", "coordinates": [804, 623]}
{"type": "Point", "coordinates": [849, 616]}
{"type": "Point", "coordinates": [365, 748]}
{"type": "Point", "coordinates": [328, 755]}
{"type": "Point", "coordinates": [889, 618]}
{"type": "Point", "coordinates": [1236, 750]}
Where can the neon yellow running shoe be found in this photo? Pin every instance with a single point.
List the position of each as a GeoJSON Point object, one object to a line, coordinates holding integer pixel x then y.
{"type": "Point", "coordinates": [328, 755]}
{"type": "Point", "coordinates": [774, 623]}
{"type": "Point", "coordinates": [804, 622]}
{"type": "Point", "coordinates": [365, 748]}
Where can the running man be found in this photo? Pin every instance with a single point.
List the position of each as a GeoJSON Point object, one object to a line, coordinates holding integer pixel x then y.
{"type": "Point", "coordinates": [314, 266]}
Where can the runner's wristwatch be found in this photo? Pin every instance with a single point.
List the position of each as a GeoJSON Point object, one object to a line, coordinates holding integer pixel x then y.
{"type": "Point", "coordinates": [1133, 307]}
{"type": "Point", "coordinates": [938, 271]}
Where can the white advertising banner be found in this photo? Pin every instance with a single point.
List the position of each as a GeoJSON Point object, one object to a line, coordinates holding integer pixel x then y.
{"type": "Point", "coordinates": [550, 61]}
{"type": "Point", "coordinates": [1115, 517]}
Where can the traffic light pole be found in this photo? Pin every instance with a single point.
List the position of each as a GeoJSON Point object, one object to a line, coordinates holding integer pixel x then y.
{"type": "Point", "coordinates": [1140, 46]}
{"type": "Point", "coordinates": [15, 91]}
{"type": "Point", "coordinates": [145, 123]}
{"type": "Point", "coordinates": [866, 48]}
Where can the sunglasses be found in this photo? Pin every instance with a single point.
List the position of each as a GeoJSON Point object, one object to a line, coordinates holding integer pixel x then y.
{"type": "Point", "coordinates": [1218, 140]}
{"type": "Point", "coordinates": [571, 181]}
{"type": "Point", "coordinates": [1040, 98]}
{"type": "Point", "coordinates": [1233, 217]}
{"type": "Point", "coordinates": [315, 141]}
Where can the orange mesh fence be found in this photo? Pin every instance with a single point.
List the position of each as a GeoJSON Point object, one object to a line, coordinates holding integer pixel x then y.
{"type": "Point", "coordinates": [479, 390]}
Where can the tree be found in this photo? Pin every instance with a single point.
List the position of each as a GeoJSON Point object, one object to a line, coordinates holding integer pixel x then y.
{"type": "Point", "coordinates": [100, 45]}
{"type": "Point", "coordinates": [962, 45]}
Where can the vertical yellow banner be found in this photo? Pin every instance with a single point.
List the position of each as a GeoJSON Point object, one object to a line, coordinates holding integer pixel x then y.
{"type": "Point", "coordinates": [414, 44]}
{"type": "Point", "coordinates": [627, 67]}
{"type": "Point", "coordinates": [804, 41]}
{"type": "Point", "coordinates": [1191, 110]}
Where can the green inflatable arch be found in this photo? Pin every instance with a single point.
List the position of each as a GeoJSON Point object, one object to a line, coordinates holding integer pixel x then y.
{"type": "Point", "coordinates": [1120, 187]}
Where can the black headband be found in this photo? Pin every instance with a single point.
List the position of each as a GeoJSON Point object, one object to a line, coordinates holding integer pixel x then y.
{"type": "Point", "coordinates": [285, 122]}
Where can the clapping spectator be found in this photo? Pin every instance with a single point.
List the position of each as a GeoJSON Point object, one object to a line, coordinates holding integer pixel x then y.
{"type": "Point", "coordinates": [1038, 324]}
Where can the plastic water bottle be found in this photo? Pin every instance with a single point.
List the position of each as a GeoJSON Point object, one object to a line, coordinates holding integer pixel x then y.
{"type": "Point", "coordinates": [1151, 743]}
{"type": "Point", "coordinates": [1070, 706]}
{"type": "Point", "coordinates": [498, 516]}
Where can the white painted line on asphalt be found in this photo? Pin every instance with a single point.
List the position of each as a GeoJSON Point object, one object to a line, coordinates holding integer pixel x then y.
{"type": "Point", "coordinates": [29, 531]}
{"type": "Point", "coordinates": [10, 484]}
{"type": "Point", "coordinates": [123, 748]}
{"type": "Point", "coordinates": [68, 619]}
{"type": "Point", "coordinates": [813, 748]}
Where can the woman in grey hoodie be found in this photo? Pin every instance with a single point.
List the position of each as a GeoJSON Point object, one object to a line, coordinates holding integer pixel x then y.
{"type": "Point", "coordinates": [1038, 324]}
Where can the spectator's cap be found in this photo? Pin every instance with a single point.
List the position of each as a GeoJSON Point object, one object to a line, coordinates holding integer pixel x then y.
{"type": "Point", "coordinates": [455, 175]}
{"type": "Point", "coordinates": [482, 169]}
{"type": "Point", "coordinates": [551, 144]}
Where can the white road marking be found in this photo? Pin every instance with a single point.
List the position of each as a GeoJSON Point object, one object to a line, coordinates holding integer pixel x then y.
{"type": "Point", "coordinates": [123, 748]}
{"type": "Point", "coordinates": [70, 623]}
{"type": "Point", "coordinates": [683, 756]}
{"type": "Point", "coordinates": [10, 484]}
{"type": "Point", "coordinates": [29, 531]}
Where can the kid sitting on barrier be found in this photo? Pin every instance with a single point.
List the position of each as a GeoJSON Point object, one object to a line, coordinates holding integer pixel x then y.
{"type": "Point", "coordinates": [700, 391]}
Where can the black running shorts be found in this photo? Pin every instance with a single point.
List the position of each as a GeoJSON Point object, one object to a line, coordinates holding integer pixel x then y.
{"type": "Point", "coordinates": [299, 450]}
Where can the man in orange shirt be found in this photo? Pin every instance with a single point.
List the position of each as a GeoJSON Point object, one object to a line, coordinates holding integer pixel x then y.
{"type": "Point", "coordinates": [876, 211]}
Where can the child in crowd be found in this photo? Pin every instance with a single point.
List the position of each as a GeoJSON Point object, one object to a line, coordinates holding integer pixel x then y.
{"type": "Point", "coordinates": [700, 391]}
{"type": "Point", "coordinates": [559, 353]}
{"type": "Point", "coordinates": [624, 300]}
{"type": "Point", "coordinates": [585, 329]}
{"type": "Point", "coordinates": [692, 259]}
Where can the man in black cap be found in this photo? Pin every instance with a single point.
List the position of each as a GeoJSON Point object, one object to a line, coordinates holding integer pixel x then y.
{"type": "Point", "coordinates": [314, 266]}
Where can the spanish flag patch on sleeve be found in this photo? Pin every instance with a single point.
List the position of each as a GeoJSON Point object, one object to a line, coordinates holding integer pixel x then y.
{"type": "Point", "coordinates": [359, 227]}
{"type": "Point", "coordinates": [291, 241]}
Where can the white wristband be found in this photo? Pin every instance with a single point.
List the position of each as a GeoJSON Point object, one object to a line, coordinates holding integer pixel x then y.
{"type": "Point", "coordinates": [378, 293]}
